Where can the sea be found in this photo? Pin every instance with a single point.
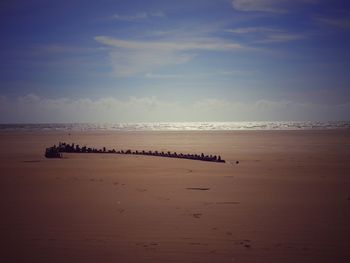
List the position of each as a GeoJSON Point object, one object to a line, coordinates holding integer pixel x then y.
{"type": "Point", "coordinates": [179, 126]}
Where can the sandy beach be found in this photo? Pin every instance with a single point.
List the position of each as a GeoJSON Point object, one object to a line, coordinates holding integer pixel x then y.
{"type": "Point", "coordinates": [288, 199]}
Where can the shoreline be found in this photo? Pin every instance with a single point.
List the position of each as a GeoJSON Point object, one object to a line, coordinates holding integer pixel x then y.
{"type": "Point", "coordinates": [340, 130]}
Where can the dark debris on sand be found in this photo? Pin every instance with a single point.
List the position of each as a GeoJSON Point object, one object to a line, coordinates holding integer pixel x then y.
{"type": "Point", "coordinates": [56, 152]}
{"type": "Point", "coordinates": [197, 188]}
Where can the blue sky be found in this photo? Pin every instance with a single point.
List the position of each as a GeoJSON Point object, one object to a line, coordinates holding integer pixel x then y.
{"type": "Point", "coordinates": [193, 60]}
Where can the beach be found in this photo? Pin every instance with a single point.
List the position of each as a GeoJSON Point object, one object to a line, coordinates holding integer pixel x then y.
{"type": "Point", "coordinates": [286, 200]}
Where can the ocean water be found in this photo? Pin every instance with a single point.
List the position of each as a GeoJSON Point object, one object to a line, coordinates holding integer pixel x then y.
{"type": "Point", "coordinates": [180, 126]}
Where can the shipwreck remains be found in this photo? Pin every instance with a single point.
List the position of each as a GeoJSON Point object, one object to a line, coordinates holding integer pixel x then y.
{"type": "Point", "coordinates": [56, 152]}
{"type": "Point", "coordinates": [53, 152]}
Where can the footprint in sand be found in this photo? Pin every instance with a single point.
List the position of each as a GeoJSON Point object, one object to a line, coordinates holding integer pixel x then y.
{"type": "Point", "coordinates": [197, 215]}
{"type": "Point", "coordinates": [198, 244]}
{"type": "Point", "coordinates": [227, 203]}
{"type": "Point", "coordinates": [246, 243]}
{"type": "Point", "coordinates": [221, 203]}
{"type": "Point", "coordinates": [162, 198]}
{"type": "Point", "coordinates": [148, 246]}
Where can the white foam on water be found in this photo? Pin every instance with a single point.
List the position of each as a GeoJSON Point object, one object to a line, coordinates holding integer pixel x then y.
{"type": "Point", "coordinates": [180, 126]}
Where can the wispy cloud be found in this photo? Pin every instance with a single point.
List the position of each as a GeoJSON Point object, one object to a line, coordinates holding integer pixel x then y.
{"type": "Point", "coordinates": [274, 6]}
{"type": "Point", "coordinates": [163, 76]}
{"type": "Point", "coordinates": [342, 23]}
{"type": "Point", "coordinates": [227, 73]}
{"type": "Point", "coordinates": [187, 30]}
{"type": "Point", "coordinates": [238, 73]}
{"type": "Point", "coordinates": [132, 57]}
{"type": "Point", "coordinates": [282, 37]}
{"type": "Point", "coordinates": [138, 16]}
{"type": "Point", "coordinates": [127, 63]}
{"type": "Point", "coordinates": [249, 30]}
{"type": "Point", "coordinates": [214, 44]}
{"type": "Point", "coordinates": [267, 34]}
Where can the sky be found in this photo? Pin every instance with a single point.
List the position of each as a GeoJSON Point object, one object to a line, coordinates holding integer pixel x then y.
{"type": "Point", "coordinates": [184, 60]}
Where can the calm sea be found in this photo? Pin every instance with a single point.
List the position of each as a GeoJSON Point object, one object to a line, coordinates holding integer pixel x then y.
{"type": "Point", "coordinates": [180, 126]}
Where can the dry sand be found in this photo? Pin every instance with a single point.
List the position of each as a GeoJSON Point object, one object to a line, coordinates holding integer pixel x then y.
{"type": "Point", "coordinates": [288, 200]}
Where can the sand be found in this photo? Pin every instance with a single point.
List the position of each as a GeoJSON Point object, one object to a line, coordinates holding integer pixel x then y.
{"type": "Point", "coordinates": [288, 199]}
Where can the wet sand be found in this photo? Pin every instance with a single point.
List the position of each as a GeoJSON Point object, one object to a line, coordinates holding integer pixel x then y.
{"type": "Point", "coordinates": [288, 199]}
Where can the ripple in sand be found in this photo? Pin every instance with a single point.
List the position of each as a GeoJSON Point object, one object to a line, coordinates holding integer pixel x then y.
{"type": "Point", "coordinates": [197, 215]}
{"type": "Point", "coordinates": [246, 243]}
{"type": "Point", "coordinates": [198, 188]}
{"type": "Point", "coordinates": [227, 203]}
{"type": "Point", "coordinates": [198, 244]}
{"type": "Point", "coordinates": [220, 203]}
